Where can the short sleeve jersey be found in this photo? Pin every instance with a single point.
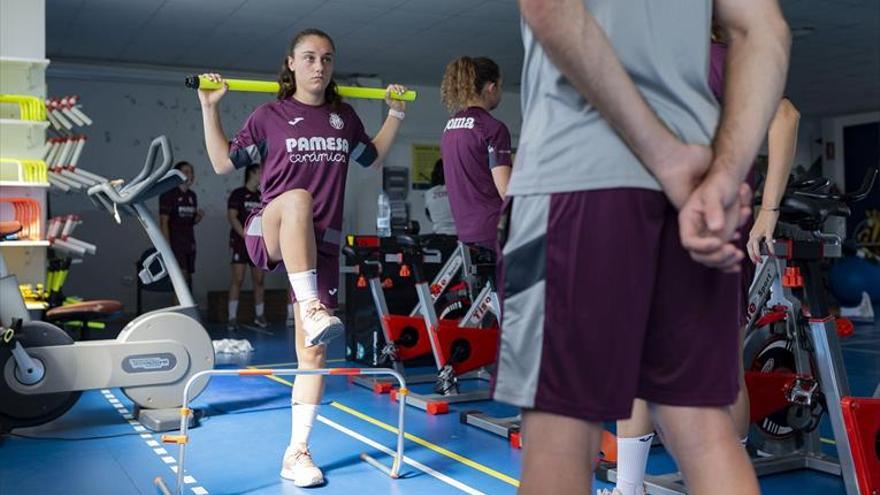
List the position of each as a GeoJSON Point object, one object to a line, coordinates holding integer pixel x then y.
{"type": "Point", "coordinates": [307, 147]}
{"type": "Point", "coordinates": [474, 142]}
{"type": "Point", "coordinates": [566, 145]}
{"type": "Point", "coordinates": [244, 202]}
{"type": "Point", "coordinates": [181, 208]}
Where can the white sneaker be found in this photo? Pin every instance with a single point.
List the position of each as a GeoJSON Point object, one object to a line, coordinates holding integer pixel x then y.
{"type": "Point", "coordinates": [299, 468]}
{"type": "Point", "coordinates": [320, 326]}
{"type": "Point", "coordinates": [615, 491]}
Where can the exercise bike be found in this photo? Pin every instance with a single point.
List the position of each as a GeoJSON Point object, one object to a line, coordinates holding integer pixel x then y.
{"type": "Point", "coordinates": [405, 336]}
{"type": "Point", "coordinates": [462, 349]}
{"type": "Point", "coordinates": [44, 371]}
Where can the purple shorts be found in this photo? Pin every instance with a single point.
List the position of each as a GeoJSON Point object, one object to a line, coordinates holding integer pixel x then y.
{"type": "Point", "coordinates": [601, 304]}
{"type": "Point", "coordinates": [327, 257]}
{"type": "Point", "coordinates": [239, 253]}
{"type": "Point", "coordinates": [186, 258]}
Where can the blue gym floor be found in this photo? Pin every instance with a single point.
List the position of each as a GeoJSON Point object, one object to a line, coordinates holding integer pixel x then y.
{"type": "Point", "coordinates": [95, 449]}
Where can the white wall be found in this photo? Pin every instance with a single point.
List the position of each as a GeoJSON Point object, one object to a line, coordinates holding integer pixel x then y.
{"type": "Point", "coordinates": [131, 106]}
{"type": "Point", "coordinates": [23, 28]}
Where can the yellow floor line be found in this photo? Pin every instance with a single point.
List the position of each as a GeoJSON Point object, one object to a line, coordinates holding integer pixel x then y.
{"type": "Point", "coordinates": [420, 441]}
{"type": "Point", "coordinates": [424, 443]}
{"type": "Point", "coordinates": [827, 441]}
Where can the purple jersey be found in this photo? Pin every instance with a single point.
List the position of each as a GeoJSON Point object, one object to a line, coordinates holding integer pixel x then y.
{"type": "Point", "coordinates": [717, 58]}
{"type": "Point", "coordinates": [244, 202]}
{"type": "Point", "coordinates": [473, 144]}
{"type": "Point", "coordinates": [181, 208]}
{"type": "Point", "coordinates": [304, 147]}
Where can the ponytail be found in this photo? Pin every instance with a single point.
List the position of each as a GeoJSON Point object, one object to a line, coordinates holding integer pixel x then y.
{"type": "Point", "coordinates": [464, 79]}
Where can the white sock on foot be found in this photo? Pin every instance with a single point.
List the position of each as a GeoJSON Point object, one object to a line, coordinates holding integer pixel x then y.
{"type": "Point", "coordinates": [259, 308]}
{"type": "Point", "coordinates": [233, 309]}
{"type": "Point", "coordinates": [632, 460]}
{"type": "Point", "coordinates": [304, 284]}
{"type": "Point", "coordinates": [301, 420]}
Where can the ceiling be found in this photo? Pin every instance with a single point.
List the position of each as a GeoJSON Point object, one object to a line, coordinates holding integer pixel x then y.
{"type": "Point", "coordinates": [834, 70]}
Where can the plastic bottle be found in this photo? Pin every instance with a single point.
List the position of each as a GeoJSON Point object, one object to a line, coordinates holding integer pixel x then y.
{"type": "Point", "coordinates": [383, 216]}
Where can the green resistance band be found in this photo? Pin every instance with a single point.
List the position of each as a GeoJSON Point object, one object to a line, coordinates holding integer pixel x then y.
{"type": "Point", "coordinates": [202, 82]}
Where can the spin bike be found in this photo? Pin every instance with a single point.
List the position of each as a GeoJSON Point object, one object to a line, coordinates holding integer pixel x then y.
{"type": "Point", "coordinates": [44, 371]}
{"type": "Point", "coordinates": [461, 349]}
{"type": "Point", "coordinates": [794, 368]}
{"type": "Point", "coordinates": [405, 336]}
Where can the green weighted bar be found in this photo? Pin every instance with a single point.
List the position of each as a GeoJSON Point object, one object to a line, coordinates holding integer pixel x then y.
{"type": "Point", "coordinates": [202, 82]}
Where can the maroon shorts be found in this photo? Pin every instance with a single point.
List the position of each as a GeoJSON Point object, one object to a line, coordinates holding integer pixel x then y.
{"type": "Point", "coordinates": [239, 253]}
{"type": "Point", "coordinates": [186, 258]}
{"type": "Point", "coordinates": [601, 304]}
{"type": "Point", "coordinates": [327, 257]}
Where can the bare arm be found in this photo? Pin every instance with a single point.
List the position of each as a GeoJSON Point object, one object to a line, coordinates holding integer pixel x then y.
{"type": "Point", "coordinates": [232, 216]}
{"type": "Point", "coordinates": [781, 144]}
{"type": "Point", "coordinates": [215, 139]}
{"type": "Point", "coordinates": [501, 176]}
{"type": "Point", "coordinates": [385, 137]}
{"type": "Point", "coordinates": [578, 47]}
{"type": "Point", "coordinates": [757, 63]}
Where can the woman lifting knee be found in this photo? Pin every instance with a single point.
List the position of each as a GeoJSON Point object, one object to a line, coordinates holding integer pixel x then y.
{"type": "Point", "coordinates": [304, 142]}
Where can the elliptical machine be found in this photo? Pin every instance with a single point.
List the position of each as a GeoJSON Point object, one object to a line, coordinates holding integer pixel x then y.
{"type": "Point", "coordinates": [43, 371]}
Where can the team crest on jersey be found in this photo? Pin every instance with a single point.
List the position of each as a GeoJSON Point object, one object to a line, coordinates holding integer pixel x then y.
{"type": "Point", "coordinates": [336, 121]}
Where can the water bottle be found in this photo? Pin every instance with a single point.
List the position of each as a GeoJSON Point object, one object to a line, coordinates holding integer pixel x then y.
{"type": "Point", "coordinates": [383, 216]}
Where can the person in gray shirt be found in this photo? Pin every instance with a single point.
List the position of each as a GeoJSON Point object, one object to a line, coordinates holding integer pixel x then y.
{"type": "Point", "coordinates": [619, 263]}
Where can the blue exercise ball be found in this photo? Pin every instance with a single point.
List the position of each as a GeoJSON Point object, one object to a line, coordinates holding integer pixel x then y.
{"type": "Point", "coordinates": [851, 276]}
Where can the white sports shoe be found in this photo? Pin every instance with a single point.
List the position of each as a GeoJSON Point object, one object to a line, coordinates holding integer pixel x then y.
{"type": "Point", "coordinates": [615, 491]}
{"type": "Point", "coordinates": [299, 468]}
{"type": "Point", "coordinates": [320, 326]}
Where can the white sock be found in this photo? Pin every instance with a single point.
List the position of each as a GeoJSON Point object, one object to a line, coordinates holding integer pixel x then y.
{"type": "Point", "coordinates": [259, 308]}
{"type": "Point", "coordinates": [304, 284]}
{"type": "Point", "coordinates": [290, 310]}
{"type": "Point", "coordinates": [301, 420]}
{"type": "Point", "coordinates": [632, 460]}
{"type": "Point", "coordinates": [233, 309]}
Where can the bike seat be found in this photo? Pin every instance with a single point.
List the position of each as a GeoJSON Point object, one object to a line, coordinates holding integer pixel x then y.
{"type": "Point", "coordinates": [407, 240]}
{"type": "Point", "coordinates": [812, 184]}
{"type": "Point", "coordinates": [803, 210]}
{"type": "Point", "coordinates": [87, 310]}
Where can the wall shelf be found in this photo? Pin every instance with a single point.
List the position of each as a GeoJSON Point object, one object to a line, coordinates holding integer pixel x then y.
{"type": "Point", "coordinates": [24, 243]}
{"type": "Point", "coordinates": [26, 123]}
{"type": "Point", "coordinates": [42, 62]}
{"type": "Point", "coordinates": [15, 183]}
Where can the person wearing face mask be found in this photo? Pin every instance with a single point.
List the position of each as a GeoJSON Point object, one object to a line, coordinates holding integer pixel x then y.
{"type": "Point", "coordinates": [178, 213]}
{"type": "Point", "coordinates": [303, 141]}
{"type": "Point", "coordinates": [241, 203]}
